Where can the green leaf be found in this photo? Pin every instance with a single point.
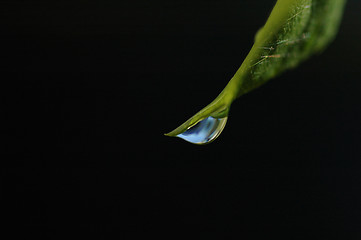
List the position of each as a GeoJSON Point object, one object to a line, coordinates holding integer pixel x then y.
{"type": "Point", "coordinates": [294, 30]}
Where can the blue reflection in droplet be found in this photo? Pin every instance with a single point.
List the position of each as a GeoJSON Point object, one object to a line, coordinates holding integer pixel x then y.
{"type": "Point", "coordinates": [204, 131]}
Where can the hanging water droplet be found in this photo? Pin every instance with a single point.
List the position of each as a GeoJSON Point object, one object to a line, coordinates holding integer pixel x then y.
{"type": "Point", "coordinates": [204, 131]}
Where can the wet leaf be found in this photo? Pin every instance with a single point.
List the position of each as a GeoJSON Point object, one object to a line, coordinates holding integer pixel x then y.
{"type": "Point", "coordinates": [295, 30]}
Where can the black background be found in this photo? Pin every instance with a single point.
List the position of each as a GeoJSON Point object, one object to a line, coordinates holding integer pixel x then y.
{"type": "Point", "coordinates": [90, 87]}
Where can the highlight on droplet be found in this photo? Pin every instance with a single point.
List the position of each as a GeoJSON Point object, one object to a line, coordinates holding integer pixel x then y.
{"type": "Point", "coordinates": [204, 131]}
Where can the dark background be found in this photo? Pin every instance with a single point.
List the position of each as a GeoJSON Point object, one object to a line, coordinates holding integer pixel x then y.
{"type": "Point", "coordinates": [90, 87]}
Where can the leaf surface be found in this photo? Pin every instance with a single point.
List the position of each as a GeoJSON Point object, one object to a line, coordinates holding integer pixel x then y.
{"type": "Point", "coordinates": [295, 30]}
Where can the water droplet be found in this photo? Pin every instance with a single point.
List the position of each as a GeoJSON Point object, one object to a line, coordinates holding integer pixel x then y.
{"type": "Point", "coordinates": [204, 131]}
